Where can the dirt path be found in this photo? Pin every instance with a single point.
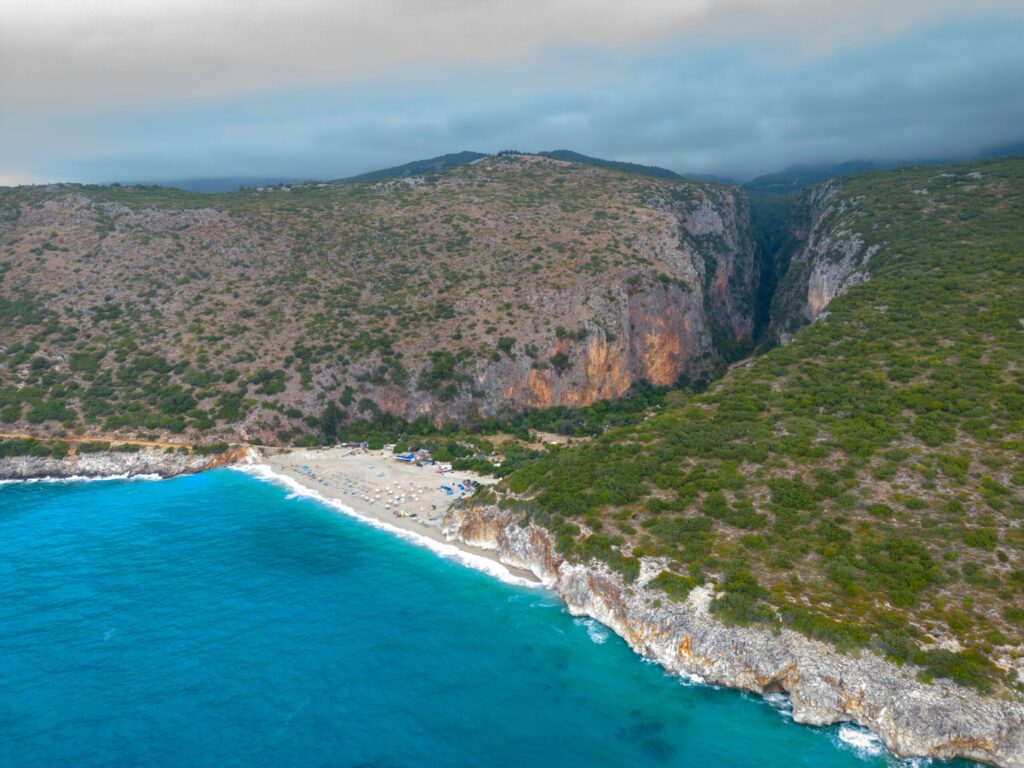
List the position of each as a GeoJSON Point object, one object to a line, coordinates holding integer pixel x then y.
{"type": "Point", "coordinates": [112, 440]}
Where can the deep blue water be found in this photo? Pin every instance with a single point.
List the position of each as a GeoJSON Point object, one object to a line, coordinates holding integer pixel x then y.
{"type": "Point", "coordinates": [211, 621]}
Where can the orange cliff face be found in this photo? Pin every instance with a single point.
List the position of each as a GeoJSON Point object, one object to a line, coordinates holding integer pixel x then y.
{"type": "Point", "coordinates": [661, 335]}
{"type": "Point", "coordinates": [651, 330]}
{"type": "Point", "coordinates": [666, 346]}
{"type": "Point", "coordinates": [608, 374]}
{"type": "Point", "coordinates": [539, 389]}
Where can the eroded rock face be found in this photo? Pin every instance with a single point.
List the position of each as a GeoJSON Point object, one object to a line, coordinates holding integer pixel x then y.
{"type": "Point", "coordinates": [147, 461]}
{"type": "Point", "coordinates": [653, 331]}
{"type": "Point", "coordinates": [913, 719]}
{"type": "Point", "coordinates": [832, 259]}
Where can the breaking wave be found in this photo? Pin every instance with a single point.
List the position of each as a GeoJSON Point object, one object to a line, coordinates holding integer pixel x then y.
{"type": "Point", "coordinates": [598, 632]}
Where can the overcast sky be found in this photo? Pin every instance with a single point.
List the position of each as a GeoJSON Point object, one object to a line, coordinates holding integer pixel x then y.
{"type": "Point", "coordinates": [105, 90]}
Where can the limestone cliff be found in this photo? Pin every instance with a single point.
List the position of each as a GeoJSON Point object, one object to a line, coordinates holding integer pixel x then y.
{"type": "Point", "coordinates": [912, 718]}
{"type": "Point", "coordinates": [685, 323]}
{"type": "Point", "coordinates": [830, 258]}
{"type": "Point", "coordinates": [145, 461]}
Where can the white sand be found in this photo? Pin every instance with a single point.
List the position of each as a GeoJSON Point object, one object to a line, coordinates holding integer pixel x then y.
{"type": "Point", "coordinates": [378, 486]}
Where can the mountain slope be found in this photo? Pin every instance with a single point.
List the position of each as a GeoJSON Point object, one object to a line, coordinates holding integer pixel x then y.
{"type": "Point", "coordinates": [865, 483]}
{"type": "Point", "coordinates": [615, 165]}
{"type": "Point", "coordinates": [513, 282]}
{"type": "Point", "coordinates": [218, 185]}
{"type": "Point", "coordinates": [418, 167]}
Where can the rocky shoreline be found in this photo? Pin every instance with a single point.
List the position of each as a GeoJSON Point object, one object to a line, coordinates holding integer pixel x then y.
{"type": "Point", "coordinates": [113, 463]}
{"type": "Point", "coordinates": [912, 718]}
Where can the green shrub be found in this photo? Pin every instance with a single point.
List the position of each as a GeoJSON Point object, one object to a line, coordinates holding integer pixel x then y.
{"type": "Point", "coordinates": [675, 586]}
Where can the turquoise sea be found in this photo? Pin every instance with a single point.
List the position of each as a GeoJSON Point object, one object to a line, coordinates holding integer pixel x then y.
{"type": "Point", "coordinates": [213, 620]}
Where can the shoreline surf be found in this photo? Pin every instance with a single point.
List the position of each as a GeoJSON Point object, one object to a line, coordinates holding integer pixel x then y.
{"type": "Point", "coordinates": [426, 536]}
{"type": "Point", "coordinates": [80, 478]}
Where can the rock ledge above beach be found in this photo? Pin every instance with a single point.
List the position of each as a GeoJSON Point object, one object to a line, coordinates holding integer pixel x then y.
{"type": "Point", "coordinates": [145, 461]}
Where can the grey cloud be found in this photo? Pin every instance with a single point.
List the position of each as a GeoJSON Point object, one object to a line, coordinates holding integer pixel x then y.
{"type": "Point", "coordinates": [943, 88]}
{"type": "Point", "coordinates": [112, 53]}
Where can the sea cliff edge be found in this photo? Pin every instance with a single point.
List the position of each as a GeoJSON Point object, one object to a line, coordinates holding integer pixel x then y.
{"type": "Point", "coordinates": [914, 719]}
{"type": "Point", "coordinates": [156, 462]}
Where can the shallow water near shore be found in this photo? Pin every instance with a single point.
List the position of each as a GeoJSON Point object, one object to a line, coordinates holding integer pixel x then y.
{"type": "Point", "coordinates": [211, 620]}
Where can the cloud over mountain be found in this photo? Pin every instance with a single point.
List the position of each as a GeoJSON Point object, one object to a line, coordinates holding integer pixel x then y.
{"type": "Point", "coordinates": [103, 90]}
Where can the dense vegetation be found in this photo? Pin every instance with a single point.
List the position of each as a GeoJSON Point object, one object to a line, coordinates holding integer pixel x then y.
{"type": "Point", "coordinates": [419, 167]}
{"type": "Point", "coordinates": [615, 165]}
{"type": "Point", "coordinates": [865, 483]}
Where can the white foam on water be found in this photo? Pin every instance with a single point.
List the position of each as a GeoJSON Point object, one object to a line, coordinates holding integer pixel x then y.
{"type": "Point", "coordinates": [860, 740]}
{"type": "Point", "coordinates": [598, 633]}
{"type": "Point", "coordinates": [781, 703]}
{"type": "Point", "coordinates": [867, 745]}
{"type": "Point", "coordinates": [687, 680]}
{"type": "Point", "coordinates": [531, 601]}
{"type": "Point", "coordinates": [447, 551]}
{"type": "Point", "coordinates": [81, 479]}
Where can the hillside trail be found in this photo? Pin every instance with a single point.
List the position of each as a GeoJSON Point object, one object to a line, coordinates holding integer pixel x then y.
{"type": "Point", "coordinates": [73, 439]}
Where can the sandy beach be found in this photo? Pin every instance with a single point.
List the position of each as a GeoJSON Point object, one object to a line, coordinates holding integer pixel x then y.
{"type": "Point", "coordinates": [375, 485]}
